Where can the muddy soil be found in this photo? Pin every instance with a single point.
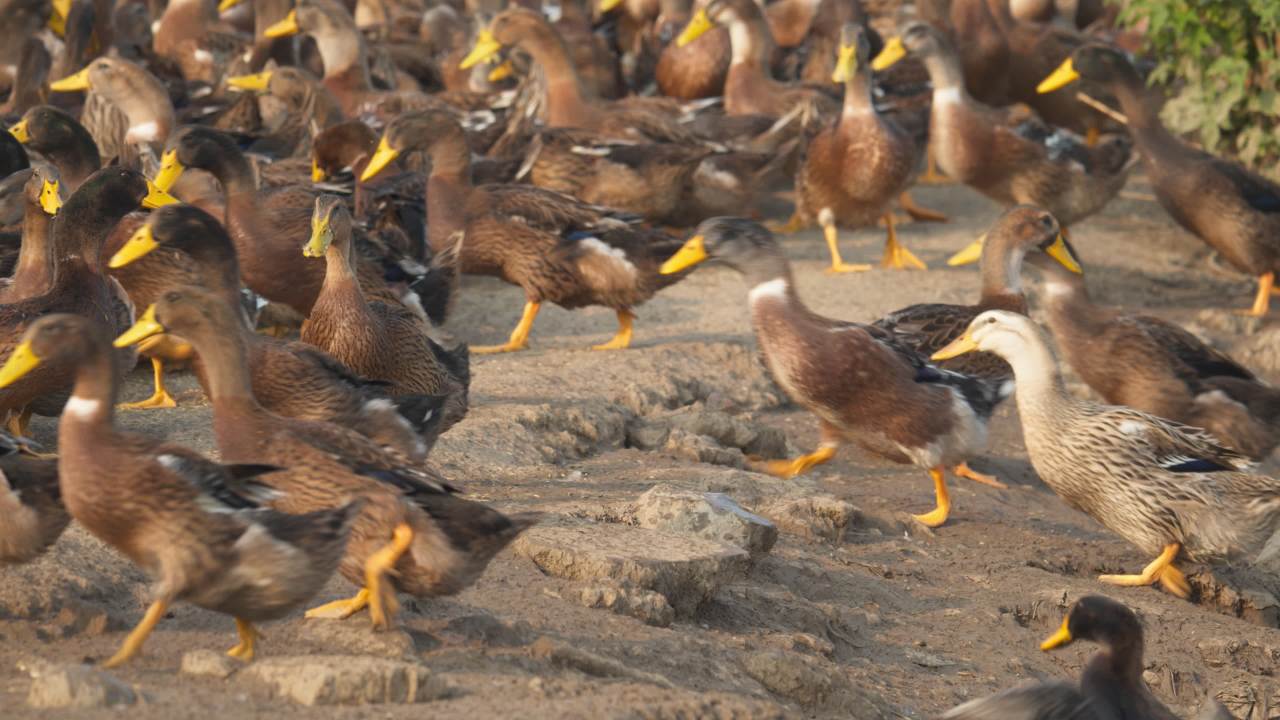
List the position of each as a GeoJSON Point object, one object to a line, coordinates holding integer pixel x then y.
{"type": "Point", "coordinates": [856, 611]}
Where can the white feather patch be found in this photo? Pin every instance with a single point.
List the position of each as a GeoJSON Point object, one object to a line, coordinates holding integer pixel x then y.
{"type": "Point", "coordinates": [616, 255]}
{"type": "Point", "coordinates": [82, 408]}
{"type": "Point", "coordinates": [1132, 427]}
{"type": "Point", "coordinates": [947, 96]}
{"type": "Point", "coordinates": [143, 132]}
{"type": "Point", "coordinates": [775, 289]}
{"type": "Point", "coordinates": [202, 56]}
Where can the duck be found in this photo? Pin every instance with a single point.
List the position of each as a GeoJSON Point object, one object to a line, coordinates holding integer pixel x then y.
{"type": "Point", "coordinates": [289, 378]}
{"type": "Point", "coordinates": [309, 108]}
{"type": "Point", "coordinates": [696, 69]}
{"type": "Point", "coordinates": [566, 101]}
{"type": "Point", "coordinates": [413, 535]}
{"type": "Point", "coordinates": [1157, 367]}
{"type": "Point", "coordinates": [198, 527]}
{"type": "Point", "coordinates": [13, 157]}
{"type": "Point", "coordinates": [32, 516]}
{"type": "Point", "coordinates": [127, 110]}
{"type": "Point", "coordinates": [1172, 491]}
{"type": "Point", "coordinates": [558, 249]}
{"type": "Point", "coordinates": [33, 273]}
{"type": "Point", "coordinates": [1111, 685]}
{"type": "Point", "coordinates": [1006, 156]}
{"type": "Point", "coordinates": [62, 141]}
{"type": "Point", "coordinates": [185, 37]}
{"type": "Point", "coordinates": [863, 384]}
{"type": "Point", "coordinates": [267, 225]}
{"type": "Point", "coordinates": [79, 285]}
{"type": "Point", "coordinates": [386, 342]}
{"type": "Point", "coordinates": [854, 168]}
{"type": "Point", "coordinates": [32, 75]}
{"type": "Point", "coordinates": [749, 87]}
{"type": "Point", "coordinates": [1233, 210]}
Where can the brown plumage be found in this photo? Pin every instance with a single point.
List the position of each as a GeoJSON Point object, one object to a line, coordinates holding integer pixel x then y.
{"type": "Point", "coordinates": [696, 70]}
{"type": "Point", "coordinates": [63, 141]}
{"type": "Point", "coordinates": [863, 384]}
{"type": "Point", "coordinates": [127, 110]}
{"type": "Point", "coordinates": [288, 377]}
{"type": "Point", "coordinates": [301, 104]}
{"type": "Point", "coordinates": [1157, 367]}
{"type": "Point", "coordinates": [193, 524]}
{"type": "Point", "coordinates": [381, 341]}
{"type": "Point", "coordinates": [32, 516]}
{"type": "Point", "coordinates": [413, 534]}
{"type": "Point", "coordinates": [33, 273]}
{"type": "Point", "coordinates": [556, 248]}
{"type": "Point", "coordinates": [929, 327]}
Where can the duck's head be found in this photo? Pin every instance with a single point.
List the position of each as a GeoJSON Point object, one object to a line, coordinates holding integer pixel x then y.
{"type": "Point", "coordinates": [47, 129]}
{"type": "Point", "coordinates": [732, 241]}
{"type": "Point", "coordinates": [1099, 619]}
{"type": "Point", "coordinates": [1023, 231]}
{"type": "Point", "coordinates": [193, 146]}
{"type": "Point", "coordinates": [42, 189]}
{"type": "Point", "coordinates": [854, 52]}
{"type": "Point", "coordinates": [409, 132]}
{"type": "Point", "coordinates": [512, 27]}
{"type": "Point", "coordinates": [716, 12]}
{"type": "Point", "coordinates": [52, 338]}
{"type": "Point", "coordinates": [313, 17]}
{"type": "Point", "coordinates": [290, 84]}
{"type": "Point", "coordinates": [180, 227]}
{"type": "Point", "coordinates": [190, 312]}
{"type": "Point", "coordinates": [330, 227]}
{"type": "Point", "coordinates": [131, 88]}
{"type": "Point", "coordinates": [916, 38]}
{"type": "Point", "coordinates": [340, 147]}
{"type": "Point", "coordinates": [112, 192]}
{"type": "Point", "coordinates": [1093, 62]}
{"type": "Point", "coordinates": [995, 331]}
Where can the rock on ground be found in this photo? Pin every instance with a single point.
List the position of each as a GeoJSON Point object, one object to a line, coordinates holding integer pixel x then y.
{"type": "Point", "coordinates": [75, 686]}
{"type": "Point", "coordinates": [346, 680]}
{"type": "Point", "coordinates": [714, 516]}
{"type": "Point", "coordinates": [646, 606]}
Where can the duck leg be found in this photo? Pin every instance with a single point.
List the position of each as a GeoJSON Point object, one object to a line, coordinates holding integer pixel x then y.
{"type": "Point", "coordinates": [963, 470]}
{"type": "Point", "coordinates": [829, 231]}
{"type": "Point", "coordinates": [931, 174]}
{"type": "Point", "coordinates": [917, 212]}
{"type": "Point", "coordinates": [896, 255]}
{"type": "Point", "coordinates": [519, 337]}
{"type": "Point", "coordinates": [1091, 137]}
{"type": "Point", "coordinates": [622, 339]}
{"type": "Point", "coordinates": [800, 465]}
{"type": "Point", "coordinates": [248, 636]}
{"type": "Point", "coordinates": [1262, 301]}
{"type": "Point", "coordinates": [937, 516]}
{"type": "Point", "coordinates": [133, 644]}
{"type": "Point", "coordinates": [1161, 569]}
{"type": "Point", "coordinates": [161, 397]}
{"type": "Point", "coordinates": [19, 424]}
{"type": "Point", "coordinates": [793, 225]}
{"type": "Point", "coordinates": [382, 600]}
{"type": "Point", "coordinates": [341, 609]}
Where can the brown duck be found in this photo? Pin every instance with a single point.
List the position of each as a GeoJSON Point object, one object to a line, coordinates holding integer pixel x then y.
{"type": "Point", "coordinates": [63, 141]}
{"type": "Point", "coordinates": [863, 384]}
{"type": "Point", "coordinates": [413, 534]}
{"type": "Point", "coordinates": [33, 274]}
{"type": "Point", "coordinates": [32, 516]}
{"type": "Point", "coordinates": [194, 525]}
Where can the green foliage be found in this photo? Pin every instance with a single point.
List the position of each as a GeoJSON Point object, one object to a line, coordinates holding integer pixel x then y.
{"type": "Point", "coordinates": [1221, 61]}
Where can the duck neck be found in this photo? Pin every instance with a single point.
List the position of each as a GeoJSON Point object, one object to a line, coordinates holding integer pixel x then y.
{"type": "Point", "coordinates": [346, 61]}
{"type": "Point", "coordinates": [93, 397]}
{"type": "Point", "coordinates": [183, 20]}
{"type": "Point", "coordinates": [1143, 115]}
{"type": "Point", "coordinates": [341, 286]}
{"type": "Point", "coordinates": [234, 173]}
{"type": "Point", "coordinates": [448, 189]}
{"type": "Point", "coordinates": [751, 43]}
{"type": "Point", "coordinates": [946, 77]}
{"type": "Point", "coordinates": [1002, 282]}
{"type": "Point", "coordinates": [858, 104]}
{"type": "Point", "coordinates": [769, 284]}
{"type": "Point", "coordinates": [223, 354]}
{"type": "Point", "coordinates": [221, 272]}
{"type": "Point", "coordinates": [1121, 659]}
{"type": "Point", "coordinates": [1039, 380]}
{"type": "Point", "coordinates": [34, 272]}
{"type": "Point", "coordinates": [76, 159]}
{"type": "Point", "coordinates": [568, 99]}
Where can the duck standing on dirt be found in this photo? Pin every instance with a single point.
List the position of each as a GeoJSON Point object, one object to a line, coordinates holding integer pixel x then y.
{"type": "Point", "coordinates": [862, 383]}
{"type": "Point", "coordinates": [1169, 489]}
{"type": "Point", "coordinates": [1233, 210]}
{"type": "Point", "coordinates": [194, 524]}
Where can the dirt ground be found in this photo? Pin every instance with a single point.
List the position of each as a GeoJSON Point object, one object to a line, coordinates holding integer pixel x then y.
{"type": "Point", "coordinates": [884, 619]}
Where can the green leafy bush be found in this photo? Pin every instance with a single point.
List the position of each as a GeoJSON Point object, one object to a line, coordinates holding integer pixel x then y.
{"type": "Point", "coordinates": [1220, 61]}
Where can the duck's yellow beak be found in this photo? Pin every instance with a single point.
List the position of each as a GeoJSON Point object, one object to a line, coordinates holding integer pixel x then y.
{"type": "Point", "coordinates": [486, 47]}
{"type": "Point", "coordinates": [286, 27]}
{"type": "Point", "coordinates": [971, 253]}
{"type": "Point", "coordinates": [317, 175]}
{"type": "Point", "coordinates": [226, 5]}
{"type": "Point", "coordinates": [157, 198]}
{"type": "Point", "coordinates": [50, 200]}
{"type": "Point", "coordinates": [1063, 76]}
{"type": "Point", "coordinates": [146, 326]}
{"type": "Point", "coordinates": [501, 71]}
{"type": "Point", "coordinates": [72, 83]}
{"type": "Point", "coordinates": [697, 27]}
{"type": "Point", "coordinates": [169, 172]}
{"type": "Point", "coordinates": [256, 82]}
{"type": "Point", "coordinates": [893, 51]}
{"type": "Point", "coordinates": [20, 131]}
{"type": "Point", "coordinates": [691, 253]}
{"type": "Point", "coordinates": [846, 64]}
{"type": "Point", "coordinates": [58, 16]}
{"type": "Point", "coordinates": [959, 346]}
{"type": "Point", "coordinates": [382, 157]}
{"type": "Point", "coordinates": [321, 237]}
{"type": "Point", "coordinates": [22, 361]}
{"type": "Point", "coordinates": [139, 244]}
{"type": "Point", "coordinates": [1060, 638]}
{"type": "Point", "coordinates": [1060, 251]}
{"type": "Point", "coordinates": [607, 5]}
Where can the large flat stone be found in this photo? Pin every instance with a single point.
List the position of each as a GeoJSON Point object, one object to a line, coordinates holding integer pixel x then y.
{"type": "Point", "coordinates": [345, 680]}
{"type": "Point", "coordinates": [713, 516]}
{"type": "Point", "coordinates": [75, 686]}
{"type": "Point", "coordinates": [686, 570]}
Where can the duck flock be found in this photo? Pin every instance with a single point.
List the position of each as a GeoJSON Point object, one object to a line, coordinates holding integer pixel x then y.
{"type": "Point", "coordinates": [356, 157]}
